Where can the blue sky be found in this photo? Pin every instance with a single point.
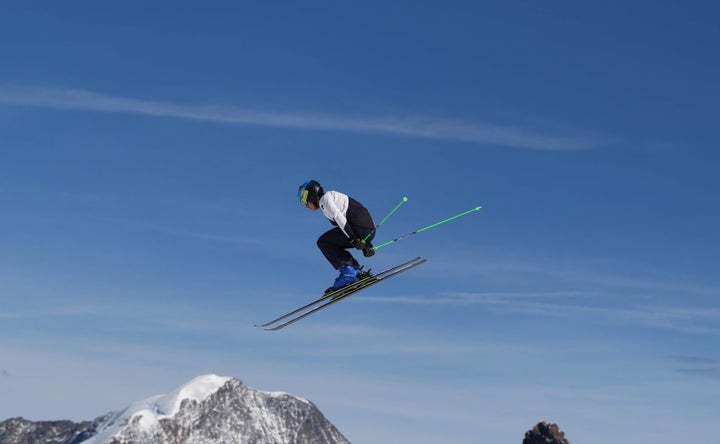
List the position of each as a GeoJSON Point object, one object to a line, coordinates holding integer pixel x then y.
{"type": "Point", "coordinates": [150, 156]}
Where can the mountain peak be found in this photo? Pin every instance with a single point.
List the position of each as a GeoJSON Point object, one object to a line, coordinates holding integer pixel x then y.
{"type": "Point", "coordinates": [146, 414]}
{"type": "Point", "coordinates": [197, 389]}
{"type": "Point", "coordinates": [207, 409]}
{"type": "Point", "coordinates": [211, 408]}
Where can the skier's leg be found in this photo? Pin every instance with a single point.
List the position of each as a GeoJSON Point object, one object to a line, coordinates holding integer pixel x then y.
{"type": "Point", "coordinates": [333, 245]}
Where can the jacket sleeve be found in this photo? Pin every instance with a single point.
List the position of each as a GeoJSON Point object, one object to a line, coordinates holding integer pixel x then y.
{"type": "Point", "coordinates": [332, 204]}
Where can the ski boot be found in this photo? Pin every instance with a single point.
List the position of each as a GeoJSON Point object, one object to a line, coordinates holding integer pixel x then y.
{"type": "Point", "coordinates": [348, 275]}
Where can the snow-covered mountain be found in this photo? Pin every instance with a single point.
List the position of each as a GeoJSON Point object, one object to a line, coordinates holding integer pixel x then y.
{"type": "Point", "coordinates": [208, 409]}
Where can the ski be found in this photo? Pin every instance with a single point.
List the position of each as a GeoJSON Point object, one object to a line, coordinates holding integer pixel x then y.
{"type": "Point", "coordinates": [334, 293]}
{"type": "Point", "coordinates": [339, 294]}
{"type": "Point", "coordinates": [350, 290]}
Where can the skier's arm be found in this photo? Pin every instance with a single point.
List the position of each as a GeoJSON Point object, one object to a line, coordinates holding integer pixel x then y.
{"type": "Point", "coordinates": [332, 211]}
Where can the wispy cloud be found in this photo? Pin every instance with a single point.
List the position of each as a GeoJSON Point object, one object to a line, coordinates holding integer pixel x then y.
{"type": "Point", "coordinates": [172, 231]}
{"type": "Point", "coordinates": [10, 315]}
{"type": "Point", "coordinates": [702, 366]}
{"type": "Point", "coordinates": [485, 298]}
{"type": "Point", "coordinates": [419, 127]}
{"type": "Point", "coordinates": [695, 320]}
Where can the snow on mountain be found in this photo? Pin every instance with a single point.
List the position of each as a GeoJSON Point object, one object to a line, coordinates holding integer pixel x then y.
{"type": "Point", "coordinates": [207, 409]}
{"type": "Point", "coordinates": [212, 409]}
{"type": "Point", "coordinates": [147, 414]}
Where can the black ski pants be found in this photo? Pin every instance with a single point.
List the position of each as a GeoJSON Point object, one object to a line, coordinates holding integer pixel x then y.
{"type": "Point", "coordinates": [334, 246]}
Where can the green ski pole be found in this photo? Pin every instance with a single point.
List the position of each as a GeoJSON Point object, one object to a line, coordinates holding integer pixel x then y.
{"type": "Point", "coordinates": [404, 199]}
{"type": "Point", "coordinates": [427, 228]}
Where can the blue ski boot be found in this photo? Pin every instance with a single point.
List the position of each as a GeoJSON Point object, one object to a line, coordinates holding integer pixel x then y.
{"type": "Point", "coordinates": [348, 275]}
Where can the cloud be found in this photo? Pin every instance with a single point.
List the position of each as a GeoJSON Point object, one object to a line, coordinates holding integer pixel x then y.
{"type": "Point", "coordinates": [9, 315]}
{"type": "Point", "coordinates": [418, 127]}
{"type": "Point", "coordinates": [697, 360]}
{"type": "Point", "coordinates": [702, 366]}
{"type": "Point", "coordinates": [172, 231]}
{"type": "Point", "coordinates": [710, 372]}
{"type": "Point", "coordinates": [480, 297]}
{"type": "Point", "coordinates": [694, 320]}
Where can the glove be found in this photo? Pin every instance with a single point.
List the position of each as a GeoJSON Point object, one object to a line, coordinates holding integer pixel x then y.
{"type": "Point", "coordinates": [357, 243]}
{"type": "Point", "coordinates": [368, 250]}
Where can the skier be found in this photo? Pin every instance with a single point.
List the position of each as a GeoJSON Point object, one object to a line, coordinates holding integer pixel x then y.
{"type": "Point", "coordinates": [354, 228]}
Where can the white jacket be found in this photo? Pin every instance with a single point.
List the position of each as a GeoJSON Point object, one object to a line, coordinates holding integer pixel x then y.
{"type": "Point", "coordinates": [335, 206]}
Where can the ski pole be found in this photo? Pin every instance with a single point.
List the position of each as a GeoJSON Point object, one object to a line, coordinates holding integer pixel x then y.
{"type": "Point", "coordinates": [404, 199]}
{"type": "Point", "coordinates": [426, 228]}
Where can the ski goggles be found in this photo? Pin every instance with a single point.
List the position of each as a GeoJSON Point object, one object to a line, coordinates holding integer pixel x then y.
{"type": "Point", "coordinates": [303, 195]}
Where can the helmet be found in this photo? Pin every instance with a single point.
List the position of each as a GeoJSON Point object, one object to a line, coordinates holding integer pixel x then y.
{"type": "Point", "coordinates": [310, 191]}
